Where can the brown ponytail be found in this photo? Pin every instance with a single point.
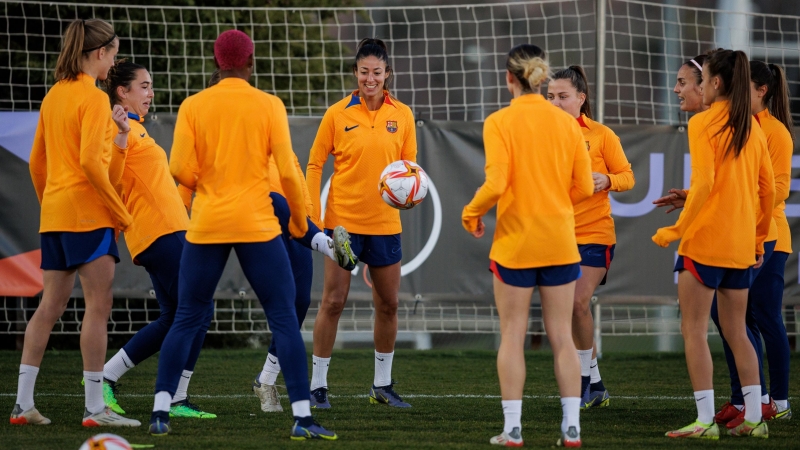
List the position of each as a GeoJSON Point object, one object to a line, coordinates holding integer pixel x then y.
{"type": "Point", "coordinates": [733, 69]}
{"type": "Point", "coordinates": [82, 37]}
{"type": "Point", "coordinates": [778, 104]}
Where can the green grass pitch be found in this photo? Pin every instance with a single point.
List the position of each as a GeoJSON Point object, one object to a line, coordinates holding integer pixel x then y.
{"type": "Point", "coordinates": [455, 398]}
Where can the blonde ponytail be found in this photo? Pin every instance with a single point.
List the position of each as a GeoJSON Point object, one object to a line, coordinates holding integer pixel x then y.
{"type": "Point", "coordinates": [536, 71]}
{"type": "Point", "coordinates": [528, 65]}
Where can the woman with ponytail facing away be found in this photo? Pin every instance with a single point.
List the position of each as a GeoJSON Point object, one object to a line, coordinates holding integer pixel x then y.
{"type": "Point", "coordinates": [722, 230]}
{"type": "Point", "coordinates": [534, 241]}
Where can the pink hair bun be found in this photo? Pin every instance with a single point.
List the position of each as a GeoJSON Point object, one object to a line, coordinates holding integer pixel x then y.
{"type": "Point", "coordinates": [232, 48]}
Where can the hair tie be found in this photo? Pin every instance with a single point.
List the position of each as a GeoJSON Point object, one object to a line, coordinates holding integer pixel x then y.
{"type": "Point", "coordinates": [105, 44]}
{"type": "Point", "coordinates": [699, 67]}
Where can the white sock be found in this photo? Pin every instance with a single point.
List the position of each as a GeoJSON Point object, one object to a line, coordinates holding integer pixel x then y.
{"type": "Point", "coordinates": [25, 385]}
{"type": "Point", "coordinates": [595, 372]}
{"type": "Point", "coordinates": [301, 408]}
{"type": "Point", "coordinates": [765, 399]}
{"type": "Point", "coordinates": [570, 410]}
{"type": "Point", "coordinates": [383, 369]}
{"type": "Point", "coordinates": [704, 400]}
{"type": "Point", "coordinates": [782, 405]}
{"type": "Point", "coordinates": [271, 370]}
{"type": "Point", "coordinates": [512, 411]}
{"type": "Point", "coordinates": [183, 386]}
{"type": "Point", "coordinates": [319, 373]}
{"type": "Point", "coordinates": [116, 367]}
{"type": "Point", "coordinates": [739, 407]}
{"type": "Point", "coordinates": [93, 388]}
{"type": "Point", "coordinates": [162, 402]}
{"type": "Point", "coordinates": [752, 403]}
{"type": "Point", "coordinates": [323, 244]}
{"type": "Point", "coordinates": [585, 357]}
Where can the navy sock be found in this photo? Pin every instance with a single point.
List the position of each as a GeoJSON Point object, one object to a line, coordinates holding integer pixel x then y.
{"type": "Point", "coordinates": [584, 384]}
{"type": "Point", "coordinates": [304, 421]}
{"type": "Point", "coordinates": [597, 386]}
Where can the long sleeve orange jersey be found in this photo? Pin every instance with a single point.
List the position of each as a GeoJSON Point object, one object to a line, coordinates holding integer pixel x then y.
{"type": "Point", "coordinates": [362, 145]}
{"type": "Point", "coordinates": [728, 213]}
{"type": "Point", "coordinates": [148, 191]}
{"type": "Point", "coordinates": [70, 159]}
{"type": "Point", "coordinates": [780, 146]}
{"type": "Point", "coordinates": [275, 183]}
{"type": "Point", "coordinates": [224, 137]}
{"type": "Point", "coordinates": [537, 168]}
{"type": "Point", "coordinates": [593, 222]}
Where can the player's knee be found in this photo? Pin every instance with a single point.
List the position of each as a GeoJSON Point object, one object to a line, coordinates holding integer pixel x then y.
{"type": "Point", "coordinates": [387, 307]}
{"type": "Point", "coordinates": [332, 305]}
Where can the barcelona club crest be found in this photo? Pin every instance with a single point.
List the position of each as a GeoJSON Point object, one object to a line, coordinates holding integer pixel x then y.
{"type": "Point", "coordinates": [391, 126]}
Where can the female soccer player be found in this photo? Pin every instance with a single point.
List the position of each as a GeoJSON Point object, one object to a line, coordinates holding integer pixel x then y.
{"type": "Point", "coordinates": [770, 106]}
{"type": "Point", "coordinates": [365, 132]}
{"type": "Point", "coordinates": [594, 228]}
{"type": "Point", "coordinates": [224, 137]}
{"type": "Point", "coordinates": [534, 243]}
{"type": "Point", "coordinates": [80, 211]}
{"type": "Point", "coordinates": [155, 238]}
{"type": "Point", "coordinates": [720, 234]}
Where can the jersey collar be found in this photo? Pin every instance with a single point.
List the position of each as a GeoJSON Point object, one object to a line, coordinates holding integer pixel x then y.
{"type": "Point", "coordinates": [355, 100]}
{"type": "Point", "coordinates": [135, 117]}
{"type": "Point", "coordinates": [582, 121]}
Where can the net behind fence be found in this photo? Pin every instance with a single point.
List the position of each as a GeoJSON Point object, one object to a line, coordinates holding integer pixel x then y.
{"type": "Point", "coordinates": [448, 60]}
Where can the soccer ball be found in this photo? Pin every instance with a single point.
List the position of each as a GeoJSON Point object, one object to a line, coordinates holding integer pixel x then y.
{"type": "Point", "coordinates": [106, 441]}
{"type": "Point", "coordinates": [403, 184]}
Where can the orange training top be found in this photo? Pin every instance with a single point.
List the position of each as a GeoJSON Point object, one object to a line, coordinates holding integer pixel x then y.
{"type": "Point", "coordinates": [780, 146]}
{"type": "Point", "coordinates": [718, 225]}
{"type": "Point", "coordinates": [224, 136]}
{"type": "Point", "coordinates": [537, 168]}
{"type": "Point", "coordinates": [148, 190]}
{"type": "Point", "coordinates": [593, 222]}
{"type": "Point", "coordinates": [275, 183]}
{"type": "Point", "coordinates": [363, 143]}
{"type": "Point", "coordinates": [70, 158]}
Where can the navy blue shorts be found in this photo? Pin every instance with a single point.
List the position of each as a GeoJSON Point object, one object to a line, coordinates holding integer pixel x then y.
{"type": "Point", "coordinates": [716, 277]}
{"type": "Point", "coordinates": [540, 276]}
{"type": "Point", "coordinates": [375, 250]}
{"type": "Point", "coordinates": [597, 255]}
{"type": "Point", "coordinates": [63, 250]}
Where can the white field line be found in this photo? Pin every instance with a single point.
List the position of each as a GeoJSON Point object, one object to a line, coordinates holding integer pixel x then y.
{"type": "Point", "coordinates": [433, 396]}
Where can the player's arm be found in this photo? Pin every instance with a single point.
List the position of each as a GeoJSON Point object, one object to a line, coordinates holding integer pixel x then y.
{"type": "Point", "coordinates": [186, 197]}
{"type": "Point", "coordinates": [322, 147]}
{"type": "Point", "coordinates": [766, 198]}
{"type": "Point", "coordinates": [497, 174]}
{"type": "Point", "coordinates": [95, 151]}
{"type": "Point", "coordinates": [38, 160]}
{"type": "Point", "coordinates": [582, 178]}
{"type": "Point", "coordinates": [409, 150]}
{"type": "Point", "coordinates": [780, 149]}
{"type": "Point", "coordinates": [119, 148]}
{"type": "Point", "coordinates": [183, 163]}
{"type": "Point", "coordinates": [309, 204]}
{"type": "Point", "coordinates": [620, 173]}
{"type": "Point", "coordinates": [703, 173]}
{"type": "Point", "coordinates": [280, 142]}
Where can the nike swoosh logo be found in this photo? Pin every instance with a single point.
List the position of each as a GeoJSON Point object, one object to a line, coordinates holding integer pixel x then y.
{"type": "Point", "coordinates": [346, 128]}
{"type": "Point", "coordinates": [141, 135]}
{"type": "Point", "coordinates": [126, 364]}
{"type": "Point", "coordinates": [379, 359]}
{"type": "Point", "coordinates": [273, 362]}
{"type": "Point", "coordinates": [184, 376]}
{"type": "Point", "coordinates": [745, 395]}
{"type": "Point", "coordinates": [95, 381]}
{"type": "Point", "coordinates": [23, 373]}
{"type": "Point", "coordinates": [700, 399]}
{"type": "Point", "coordinates": [592, 367]}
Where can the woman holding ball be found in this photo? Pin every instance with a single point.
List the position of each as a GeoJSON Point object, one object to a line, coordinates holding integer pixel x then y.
{"type": "Point", "coordinates": [365, 131]}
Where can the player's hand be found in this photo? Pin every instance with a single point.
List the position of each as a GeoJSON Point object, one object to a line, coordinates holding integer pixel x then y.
{"type": "Point", "coordinates": [479, 230]}
{"type": "Point", "coordinates": [601, 182]}
{"type": "Point", "coordinates": [759, 262]}
{"type": "Point", "coordinates": [120, 116]}
{"type": "Point", "coordinates": [660, 240]}
{"type": "Point", "coordinates": [675, 200]}
{"type": "Point", "coordinates": [298, 227]}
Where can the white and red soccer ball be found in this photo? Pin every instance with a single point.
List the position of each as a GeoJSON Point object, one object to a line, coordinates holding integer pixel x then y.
{"type": "Point", "coordinates": [106, 441]}
{"type": "Point", "coordinates": [403, 184]}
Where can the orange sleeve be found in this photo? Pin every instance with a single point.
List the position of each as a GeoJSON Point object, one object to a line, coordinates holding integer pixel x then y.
{"type": "Point", "coordinates": [186, 197]}
{"type": "Point", "coordinates": [306, 195]}
{"type": "Point", "coordinates": [38, 160]}
{"type": "Point", "coordinates": [766, 199]}
{"type": "Point", "coordinates": [320, 150]}
{"type": "Point", "coordinates": [117, 165]}
{"type": "Point", "coordinates": [497, 168]}
{"type": "Point", "coordinates": [94, 149]}
{"type": "Point", "coordinates": [703, 172]}
{"type": "Point", "coordinates": [582, 182]}
{"type": "Point", "coordinates": [619, 169]}
{"type": "Point", "coordinates": [280, 142]}
{"type": "Point", "coordinates": [780, 149]}
{"type": "Point", "coordinates": [409, 150]}
{"type": "Point", "coordinates": [183, 163]}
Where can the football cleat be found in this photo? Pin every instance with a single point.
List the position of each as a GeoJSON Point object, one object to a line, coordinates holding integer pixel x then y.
{"type": "Point", "coordinates": [312, 431]}
{"type": "Point", "coordinates": [571, 438]}
{"type": "Point", "coordinates": [595, 399]}
{"type": "Point", "coordinates": [768, 412]}
{"type": "Point", "coordinates": [726, 414]}
{"type": "Point", "coordinates": [107, 418]}
{"type": "Point", "coordinates": [750, 429]}
{"type": "Point", "coordinates": [341, 247]}
{"type": "Point", "coordinates": [268, 395]}
{"type": "Point", "coordinates": [696, 430]}
{"type": "Point", "coordinates": [29, 417]}
{"type": "Point", "coordinates": [319, 398]}
{"type": "Point", "coordinates": [785, 414]}
{"type": "Point", "coordinates": [512, 439]}
{"type": "Point", "coordinates": [159, 423]}
{"type": "Point", "coordinates": [184, 408]}
{"type": "Point", "coordinates": [387, 396]}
